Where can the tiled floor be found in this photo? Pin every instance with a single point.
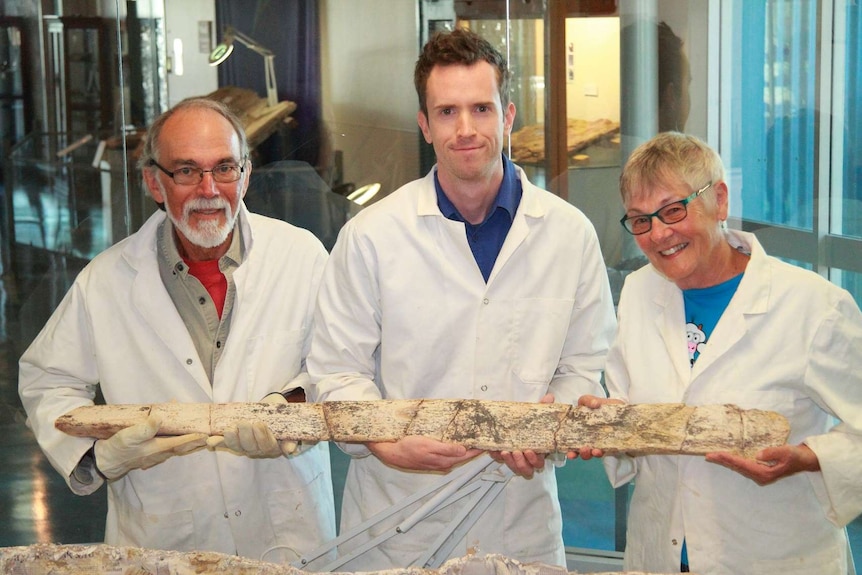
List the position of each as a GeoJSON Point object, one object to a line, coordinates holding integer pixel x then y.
{"type": "Point", "coordinates": [35, 504]}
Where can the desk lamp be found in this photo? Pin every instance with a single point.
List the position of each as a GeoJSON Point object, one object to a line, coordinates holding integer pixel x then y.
{"type": "Point", "coordinates": [221, 52]}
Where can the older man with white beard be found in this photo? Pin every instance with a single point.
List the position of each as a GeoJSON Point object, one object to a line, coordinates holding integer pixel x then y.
{"type": "Point", "coordinates": [205, 303]}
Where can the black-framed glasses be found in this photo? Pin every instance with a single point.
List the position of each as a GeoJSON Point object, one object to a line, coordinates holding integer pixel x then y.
{"type": "Point", "coordinates": [191, 176]}
{"type": "Point", "coordinates": [668, 214]}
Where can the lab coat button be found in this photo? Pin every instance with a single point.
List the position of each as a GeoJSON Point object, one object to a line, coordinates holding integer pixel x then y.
{"type": "Point", "coordinates": [180, 267]}
{"type": "Point", "coordinates": [237, 512]}
{"type": "Point", "coordinates": [218, 345]}
{"type": "Point", "coordinates": [673, 541]}
{"type": "Point", "coordinates": [202, 300]}
{"type": "Point", "coordinates": [189, 361]}
{"type": "Point", "coordinates": [225, 515]}
{"type": "Point", "coordinates": [484, 388]}
{"type": "Point", "coordinates": [485, 301]}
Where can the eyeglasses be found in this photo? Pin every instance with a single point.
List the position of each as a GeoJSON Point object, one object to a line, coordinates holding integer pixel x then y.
{"type": "Point", "coordinates": [190, 176]}
{"type": "Point", "coordinates": [668, 214]}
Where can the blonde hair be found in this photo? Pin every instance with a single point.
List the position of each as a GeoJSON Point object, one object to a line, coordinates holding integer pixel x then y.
{"type": "Point", "coordinates": [668, 159]}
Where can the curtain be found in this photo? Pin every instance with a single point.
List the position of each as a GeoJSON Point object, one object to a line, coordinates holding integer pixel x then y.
{"type": "Point", "coordinates": [290, 29]}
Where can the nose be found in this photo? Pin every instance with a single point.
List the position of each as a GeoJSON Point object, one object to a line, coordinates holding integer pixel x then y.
{"type": "Point", "coordinates": [465, 125]}
{"type": "Point", "coordinates": [659, 230]}
{"type": "Point", "coordinates": [208, 186]}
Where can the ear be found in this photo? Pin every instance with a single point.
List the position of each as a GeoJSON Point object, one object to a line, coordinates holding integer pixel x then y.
{"type": "Point", "coordinates": [509, 119]}
{"type": "Point", "coordinates": [422, 119]}
{"type": "Point", "coordinates": [153, 185]}
{"type": "Point", "coordinates": [722, 200]}
{"type": "Point", "coordinates": [246, 177]}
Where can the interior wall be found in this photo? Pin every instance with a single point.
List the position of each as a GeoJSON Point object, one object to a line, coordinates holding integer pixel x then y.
{"type": "Point", "coordinates": [192, 22]}
{"type": "Point", "coordinates": [593, 68]}
{"type": "Point", "coordinates": [369, 103]}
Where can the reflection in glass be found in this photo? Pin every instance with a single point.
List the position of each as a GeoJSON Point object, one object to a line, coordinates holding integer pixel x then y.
{"type": "Point", "coordinates": [851, 204]}
{"type": "Point", "coordinates": [775, 87]}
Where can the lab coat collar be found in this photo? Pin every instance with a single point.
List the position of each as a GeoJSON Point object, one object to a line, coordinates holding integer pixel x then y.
{"type": "Point", "coordinates": [530, 205]}
{"type": "Point", "coordinates": [751, 298]}
{"type": "Point", "coordinates": [142, 244]}
{"type": "Point", "coordinates": [529, 208]}
{"type": "Point", "coordinates": [149, 296]}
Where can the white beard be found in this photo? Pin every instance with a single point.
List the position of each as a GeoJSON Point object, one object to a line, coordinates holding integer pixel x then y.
{"type": "Point", "coordinates": [207, 234]}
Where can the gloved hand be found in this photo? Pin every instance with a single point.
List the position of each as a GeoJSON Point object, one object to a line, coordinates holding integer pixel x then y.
{"type": "Point", "coordinates": [254, 438]}
{"type": "Point", "coordinates": [137, 447]}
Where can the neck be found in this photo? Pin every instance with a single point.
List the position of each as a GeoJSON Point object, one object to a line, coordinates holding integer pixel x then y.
{"type": "Point", "coordinates": [194, 253]}
{"type": "Point", "coordinates": [733, 263]}
{"type": "Point", "coordinates": [473, 199]}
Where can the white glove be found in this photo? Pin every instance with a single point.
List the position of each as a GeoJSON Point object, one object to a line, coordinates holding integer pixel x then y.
{"type": "Point", "coordinates": [254, 438]}
{"type": "Point", "coordinates": [137, 447]}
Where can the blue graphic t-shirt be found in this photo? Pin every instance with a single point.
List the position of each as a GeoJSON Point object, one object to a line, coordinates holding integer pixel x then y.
{"type": "Point", "coordinates": [703, 308]}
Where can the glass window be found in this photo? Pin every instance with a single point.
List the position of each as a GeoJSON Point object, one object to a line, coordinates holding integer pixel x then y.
{"type": "Point", "coordinates": [848, 82]}
{"type": "Point", "coordinates": [773, 85]}
{"type": "Point", "coordinates": [773, 110]}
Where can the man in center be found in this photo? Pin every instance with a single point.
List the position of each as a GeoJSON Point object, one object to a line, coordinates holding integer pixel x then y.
{"type": "Point", "coordinates": [468, 283]}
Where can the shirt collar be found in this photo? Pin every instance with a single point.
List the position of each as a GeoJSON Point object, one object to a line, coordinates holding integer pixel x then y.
{"type": "Point", "coordinates": [508, 196]}
{"type": "Point", "coordinates": [169, 253]}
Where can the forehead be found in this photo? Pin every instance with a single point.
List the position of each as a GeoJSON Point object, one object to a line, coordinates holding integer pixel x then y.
{"type": "Point", "coordinates": [200, 135]}
{"type": "Point", "coordinates": [656, 192]}
{"type": "Point", "coordinates": [457, 82]}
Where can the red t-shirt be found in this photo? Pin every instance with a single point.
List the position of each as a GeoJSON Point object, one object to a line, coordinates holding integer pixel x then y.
{"type": "Point", "coordinates": [209, 274]}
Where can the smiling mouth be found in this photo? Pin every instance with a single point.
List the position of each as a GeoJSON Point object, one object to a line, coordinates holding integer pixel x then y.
{"type": "Point", "coordinates": [209, 212]}
{"type": "Point", "coordinates": [673, 250]}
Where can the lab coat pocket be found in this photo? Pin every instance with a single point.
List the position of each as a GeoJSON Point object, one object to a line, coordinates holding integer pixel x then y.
{"type": "Point", "coordinates": [137, 528]}
{"type": "Point", "coordinates": [296, 518]}
{"type": "Point", "coordinates": [272, 360]}
{"type": "Point", "coordinates": [540, 326]}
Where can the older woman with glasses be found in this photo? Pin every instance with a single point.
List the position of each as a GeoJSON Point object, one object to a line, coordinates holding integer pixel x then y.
{"type": "Point", "coordinates": [713, 319]}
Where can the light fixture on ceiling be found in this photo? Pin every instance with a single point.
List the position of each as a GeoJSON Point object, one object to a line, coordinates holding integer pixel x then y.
{"type": "Point", "coordinates": [221, 52]}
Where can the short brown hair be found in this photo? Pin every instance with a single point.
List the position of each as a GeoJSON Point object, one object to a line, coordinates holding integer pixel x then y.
{"type": "Point", "coordinates": [463, 47]}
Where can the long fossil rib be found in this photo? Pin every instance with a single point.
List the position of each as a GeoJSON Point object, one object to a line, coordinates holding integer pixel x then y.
{"type": "Point", "coordinates": [100, 559]}
{"type": "Point", "coordinates": [491, 425]}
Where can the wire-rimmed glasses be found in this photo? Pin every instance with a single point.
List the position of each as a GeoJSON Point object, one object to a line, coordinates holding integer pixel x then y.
{"type": "Point", "coordinates": [191, 176]}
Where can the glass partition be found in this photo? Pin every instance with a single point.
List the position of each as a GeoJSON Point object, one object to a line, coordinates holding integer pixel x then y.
{"type": "Point", "coordinates": [773, 85]}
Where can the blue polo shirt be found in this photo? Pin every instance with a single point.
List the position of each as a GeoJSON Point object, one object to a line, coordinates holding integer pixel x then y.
{"type": "Point", "coordinates": [486, 239]}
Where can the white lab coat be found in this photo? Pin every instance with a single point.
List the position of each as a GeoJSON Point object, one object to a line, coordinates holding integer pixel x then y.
{"type": "Point", "coordinates": [789, 341]}
{"type": "Point", "coordinates": [404, 312]}
{"type": "Point", "coordinates": [118, 327]}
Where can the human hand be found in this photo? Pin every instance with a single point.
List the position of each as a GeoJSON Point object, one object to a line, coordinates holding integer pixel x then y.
{"type": "Point", "coordinates": [524, 463]}
{"type": "Point", "coordinates": [586, 452]}
{"type": "Point", "coordinates": [254, 438]}
{"type": "Point", "coordinates": [770, 464]}
{"type": "Point", "coordinates": [417, 453]}
{"type": "Point", "coordinates": [137, 447]}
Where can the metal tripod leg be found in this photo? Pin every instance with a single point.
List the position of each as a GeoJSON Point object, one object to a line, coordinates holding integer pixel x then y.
{"type": "Point", "coordinates": [493, 482]}
{"type": "Point", "coordinates": [450, 488]}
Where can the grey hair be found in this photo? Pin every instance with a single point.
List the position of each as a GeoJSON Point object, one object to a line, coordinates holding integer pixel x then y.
{"type": "Point", "coordinates": [150, 150]}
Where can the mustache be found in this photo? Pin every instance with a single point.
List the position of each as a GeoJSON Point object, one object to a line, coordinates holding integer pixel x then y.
{"type": "Point", "coordinates": [205, 204]}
